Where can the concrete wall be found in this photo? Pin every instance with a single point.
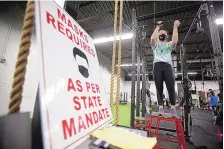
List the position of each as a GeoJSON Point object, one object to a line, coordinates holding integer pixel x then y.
{"type": "Point", "coordinates": [9, 50]}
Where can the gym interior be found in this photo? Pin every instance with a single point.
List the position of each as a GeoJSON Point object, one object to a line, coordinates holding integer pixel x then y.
{"type": "Point", "coordinates": [121, 32]}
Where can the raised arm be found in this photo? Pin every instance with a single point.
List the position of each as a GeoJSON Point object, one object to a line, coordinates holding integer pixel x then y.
{"type": "Point", "coordinates": [175, 33]}
{"type": "Point", "coordinates": [154, 34]}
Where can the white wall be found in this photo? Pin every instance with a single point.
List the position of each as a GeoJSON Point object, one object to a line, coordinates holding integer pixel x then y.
{"type": "Point", "coordinates": [208, 85]}
{"type": "Point", "coordinates": [7, 69]}
{"type": "Point", "coordinates": [105, 65]}
{"type": "Point", "coordinates": [31, 82]}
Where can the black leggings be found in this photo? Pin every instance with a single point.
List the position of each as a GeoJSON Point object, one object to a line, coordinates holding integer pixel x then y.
{"type": "Point", "coordinates": [164, 72]}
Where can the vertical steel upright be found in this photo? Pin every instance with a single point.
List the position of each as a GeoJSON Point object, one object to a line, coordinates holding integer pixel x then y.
{"type": "Point", "coordinates": [217, 50]}
{"type": "Point", "coordinates": [134, 25]}
{"type": "Point", "coordinates": [185, 87]}
{"type": "Point", "coordinates": [202, 76]}
{"type": "Point", "coordinates": [138, 97]}
{"type": "Point", "coordinates": [143, 84]}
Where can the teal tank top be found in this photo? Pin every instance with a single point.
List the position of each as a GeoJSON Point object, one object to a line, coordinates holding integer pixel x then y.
{"type": "Point", "coordinates": [162, 52]}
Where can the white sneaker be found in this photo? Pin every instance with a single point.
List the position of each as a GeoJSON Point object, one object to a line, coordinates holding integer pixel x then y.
{"type": "Point", "coordinates": [161, 111]}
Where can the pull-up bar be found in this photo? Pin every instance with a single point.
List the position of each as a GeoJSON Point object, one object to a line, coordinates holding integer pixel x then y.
{"type": "Point", "coordinates": [151, 15]}
{"type": "Point", "coordinates": [168, 21]}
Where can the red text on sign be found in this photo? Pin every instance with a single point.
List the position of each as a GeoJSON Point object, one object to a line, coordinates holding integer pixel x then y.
{"type": "Point", "coordinates": [74, 86]}
{"type": "Point", "coordinates": [86, 101]}
{"type": "Point", "coordinates": [71, 35]}
{"type": "Point", "coordinates": [93, 87]}
{"type": "Point", "coordinates": [72, 26]}
{"type": "Point", "coordinates": [73, 126]}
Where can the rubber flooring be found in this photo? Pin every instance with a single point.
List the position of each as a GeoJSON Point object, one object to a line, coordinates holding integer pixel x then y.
{"type": "Point", "coordinates": [203, 131]}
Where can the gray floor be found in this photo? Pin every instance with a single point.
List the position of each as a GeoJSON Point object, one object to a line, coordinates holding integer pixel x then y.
{"type": "Point", "coordinates": [203, 132]}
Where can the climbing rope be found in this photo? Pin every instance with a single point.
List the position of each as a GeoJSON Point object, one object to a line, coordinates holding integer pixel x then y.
{"type": "Point", "coordinates": [113, 56]}
{"type": "Point", "coordinates": [119, 64]}
{"type": "Point", "coordinates": [20, 69]}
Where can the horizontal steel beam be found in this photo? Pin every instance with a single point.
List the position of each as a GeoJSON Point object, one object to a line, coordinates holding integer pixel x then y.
{"type": "Point", "coordinates": [187, 43]}
{"type": "Point", "coordinates": [200, 60]}
{"type": "Point", "coordinates": [180, 19]}
{"type": "Point", "coordinates": [173, 53]}
{"type": "Point", "coordinates": [188, 61]}
{"type": "Point", "coordinates": [179, 32]}
{"type": "Point", "coordinates": [181, 9]}
{"type": "Point", "coordinates": [110, 26]}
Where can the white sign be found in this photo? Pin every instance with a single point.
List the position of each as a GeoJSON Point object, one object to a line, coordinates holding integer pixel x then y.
{"type": "Point", "coordinates": [72, 96]}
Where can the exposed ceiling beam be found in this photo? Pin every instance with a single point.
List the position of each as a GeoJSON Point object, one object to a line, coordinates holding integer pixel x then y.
{"type": "Point", "coordinates": [86, 4]}
{"type": "Point", "coordinates": [102, 15]}
{"type": "Point", "coordinates": [110, 26]}
{"type": "Point", "coordinates": [140, 3]}
{"type": "Point", "coordinates": [125, 25]}
{"type": "Point", "coordinates": [95, 16]}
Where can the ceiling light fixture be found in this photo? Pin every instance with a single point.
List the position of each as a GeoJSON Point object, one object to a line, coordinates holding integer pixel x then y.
{"type": "Point", "coordinates": [135, 74]}
{"type": "Point", "coordinates": [111, 38]}
{"type": "Point", "coordinates": [219, 21]}
{"type": "Point", "coordinates": [190, 73]}
{"type": "Point", "coordinates": [128, 65]}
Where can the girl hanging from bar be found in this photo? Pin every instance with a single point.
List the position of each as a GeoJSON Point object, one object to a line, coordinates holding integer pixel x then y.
{"type": "Point", "coordinates": [162, 68]}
